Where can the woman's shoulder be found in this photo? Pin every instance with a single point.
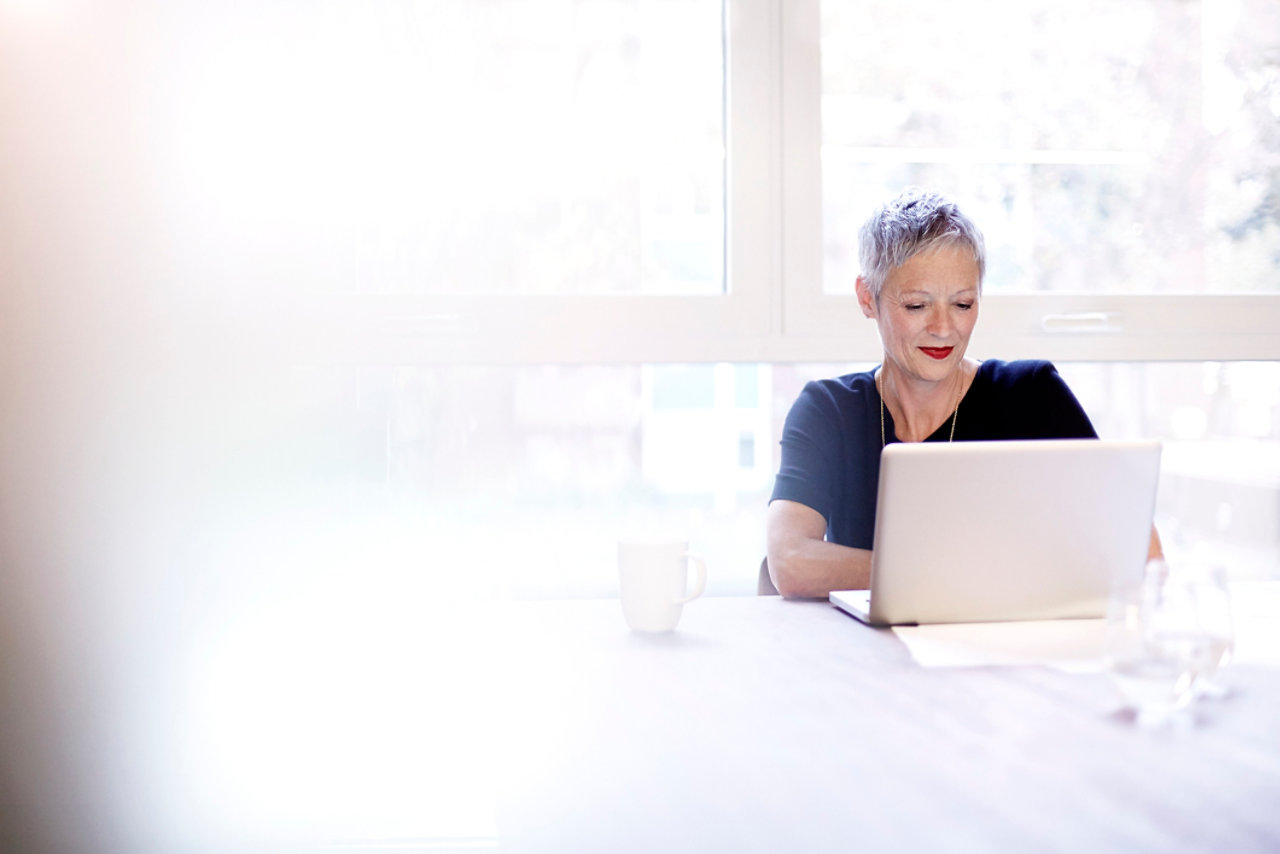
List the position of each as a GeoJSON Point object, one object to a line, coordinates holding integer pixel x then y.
{"type": "Point", "coordinates": [838, 389]}
{"type": "Point", "coordinates": [1002, 374]}
{"type": "Point", "coordinates": [1028, 399]}
{"type": "Point", "coordinates": [857, 381]}
{"type": "Point", "coordinates": [836, 398]}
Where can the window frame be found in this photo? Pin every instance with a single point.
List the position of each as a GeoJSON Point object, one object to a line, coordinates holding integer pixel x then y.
{"type": "Point", "coordinates": [774, 308]}
{"type": "Point", "coordinates": [606, 328]}
{"type": "Point", "coordinates": [1061, 326]}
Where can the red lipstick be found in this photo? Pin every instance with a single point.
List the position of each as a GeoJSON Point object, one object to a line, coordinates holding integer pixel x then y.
{"type": "Point", "coordinates": [937, 352]}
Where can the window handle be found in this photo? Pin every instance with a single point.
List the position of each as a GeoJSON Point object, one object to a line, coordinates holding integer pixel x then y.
{"type": "Point", "coordinates": [423, 324]}
{"type": "Point", "coordinates": [1082, 323]}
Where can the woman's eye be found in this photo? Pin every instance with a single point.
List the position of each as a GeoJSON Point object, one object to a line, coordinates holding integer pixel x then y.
{"type": "Point", "coordinates": [964, 306]}
{"type": "Point", "coordinates": [913, 306]}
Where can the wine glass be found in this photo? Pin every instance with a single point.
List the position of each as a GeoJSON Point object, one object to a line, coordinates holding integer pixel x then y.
{"type": "Point", "coordinates": [1154, 649]}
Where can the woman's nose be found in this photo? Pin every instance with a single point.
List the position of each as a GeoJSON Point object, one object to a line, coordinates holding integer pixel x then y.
{"type": "Point", "coordinates": [939, 322]}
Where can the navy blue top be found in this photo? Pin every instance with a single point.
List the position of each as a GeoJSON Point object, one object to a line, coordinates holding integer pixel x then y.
{"type": "Point", "coordinates": [831, 438]}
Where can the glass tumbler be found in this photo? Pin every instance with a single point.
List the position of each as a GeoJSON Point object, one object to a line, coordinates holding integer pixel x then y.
{"type": "Point", "coordinates": [1154, 646]}
{"type": "Point", "coordinates": [1211, 592]}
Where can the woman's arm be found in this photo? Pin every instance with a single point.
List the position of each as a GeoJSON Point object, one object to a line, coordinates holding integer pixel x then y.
{"type": "Point", "coordinates": [804, 565]}
{"type": "Point", "coordinates": [1155, 550]}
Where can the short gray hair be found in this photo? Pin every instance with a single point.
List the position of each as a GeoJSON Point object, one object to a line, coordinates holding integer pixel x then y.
{"type": "Point", "coordinates": [917, 221]}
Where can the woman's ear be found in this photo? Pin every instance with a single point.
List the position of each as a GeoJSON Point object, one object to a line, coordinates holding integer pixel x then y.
{"type": "Point", "coordinates": [865, 298]}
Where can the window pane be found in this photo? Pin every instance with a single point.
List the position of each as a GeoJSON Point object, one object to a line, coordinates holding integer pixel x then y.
{"type": "Point", "coordinates": [518, 481]}
{"type": "Point", "coordinates": [505, 146]}
{"type": "Point", "coordinates": [1220, 469]}
{"type": "Point", "coordinates": [1102, 146]}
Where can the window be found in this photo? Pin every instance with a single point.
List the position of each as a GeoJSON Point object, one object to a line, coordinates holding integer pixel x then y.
{"type": "Point", "coordinates": [539, 468]}
{"type": "Point", "coordinates": [309, 181]}
{"type": "Point", "coordinates": [1119, 156]}
{"type": "Point", "coordinates": [506, 146]}
{"type": "Point", "coordinates": [605, 181]}
{"type": "Point", "coordinates": [547, 466]}
{"type": "Point", "coordinates": [469, 180]}
{"type": "Point", "coordinates": [1136, 161]}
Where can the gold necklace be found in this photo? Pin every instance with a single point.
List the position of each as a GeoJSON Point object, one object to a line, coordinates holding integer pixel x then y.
{"type": "Point", "coordinates": [954, 415]}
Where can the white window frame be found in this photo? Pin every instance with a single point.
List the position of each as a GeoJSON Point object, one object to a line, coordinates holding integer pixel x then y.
{"type": "Point", "coordinates": [774, 308]}
{"type": "Point", "coordinates": [605, 328]}
{"type": "Point", "coordinates": [1058, 326]}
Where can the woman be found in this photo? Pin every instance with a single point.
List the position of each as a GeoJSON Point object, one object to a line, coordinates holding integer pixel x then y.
{"type": "Point", "coordinates": [923, 261]}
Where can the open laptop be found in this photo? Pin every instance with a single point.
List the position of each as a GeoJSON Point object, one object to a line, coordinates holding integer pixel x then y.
{"type": "Point", "coordinates": [1021, 530]}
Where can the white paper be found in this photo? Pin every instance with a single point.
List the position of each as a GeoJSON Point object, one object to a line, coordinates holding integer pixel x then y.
{"type": "Point", "coordinates": [1075, 646]}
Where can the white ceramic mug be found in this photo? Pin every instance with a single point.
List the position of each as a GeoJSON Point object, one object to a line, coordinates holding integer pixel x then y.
{"type": "Point", "coordinates": [653, 582]}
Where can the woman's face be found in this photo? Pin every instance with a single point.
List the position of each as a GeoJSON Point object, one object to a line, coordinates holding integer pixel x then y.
{"type": "Point", "coordinates": [926, 312]}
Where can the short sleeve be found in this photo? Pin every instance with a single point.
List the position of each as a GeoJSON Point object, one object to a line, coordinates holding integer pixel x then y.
{"type": "Point", "coordinates": [1053, 412]}
{"type": "Point", "coordinates": [810, 453]}
{"type": "Point", "coordinates": [1022, 399]}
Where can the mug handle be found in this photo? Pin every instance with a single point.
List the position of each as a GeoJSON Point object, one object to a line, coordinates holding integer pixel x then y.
{"type": "Point", "coordinates": [699, 580]}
